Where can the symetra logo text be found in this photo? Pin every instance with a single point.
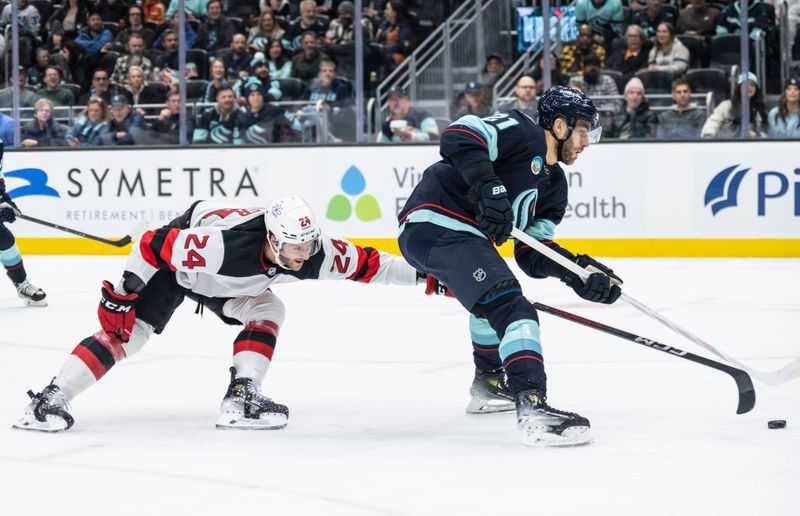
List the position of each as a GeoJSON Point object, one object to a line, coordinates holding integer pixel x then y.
{"type": "Point", "coordinates": [723, 190]}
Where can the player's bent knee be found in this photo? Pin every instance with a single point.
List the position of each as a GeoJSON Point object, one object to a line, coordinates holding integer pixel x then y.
{"type": "Point", "coordinates": [500, 294]}
{"type": "Point", "coordinates": [264, 307]}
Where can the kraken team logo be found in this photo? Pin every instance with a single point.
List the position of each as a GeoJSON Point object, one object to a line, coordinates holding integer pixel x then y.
{"type": "Point", "coordinates": [479, 275]}
{"type": "Point", "coordinates": [36, 180]}
{"type": "Point", "coordinates": [536, 165]}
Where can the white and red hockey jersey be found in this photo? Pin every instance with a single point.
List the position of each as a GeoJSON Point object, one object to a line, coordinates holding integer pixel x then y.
{"type": "Point", "coordinates": [218, 251]}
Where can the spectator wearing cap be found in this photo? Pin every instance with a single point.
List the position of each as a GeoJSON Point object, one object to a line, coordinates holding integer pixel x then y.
{"type": "Point", "coordinates": [784, 119]}
{"type": "Point", "coordinates": [305, 65]}
{"type": "Point", "coordinates": [493, 69]}
{"type": "Point", "coordinates": [525, 93]}
{"type": "Point", "coordinates": [134, 57]}
{"type": "Point", "coordinates": [599, 84]}
{"type": "Point", "coordinates": [477, 101]}
{"type": "Point", "coordinates": [52, 88]}
{"type": "Point", "coordinates": [218, 124]}
{"type": "Point", "coordinates": [217, 31]}
{"type": "Point", "coordinates": [341, 30]}
{"type": "Point", "coordinates": [94, 38]}
{"type": "Point", "coordinates": [668, 54]}
{"type": "Point", "coordinates": [652, 16]}
{"type": "Point", "coordinates": [308, 21]}
{"type": "Point", "coordinates": [573, 54]}
{"type": "Point", "coordinates": [406, 124]}
{"type": "Point", "coordinates": [43, 131]}
{"type": "Point", "coordinates": [126, 127]}
{"type": "Point", "coordinates": [134, 24]}
{"type": "Point", "coordinates": [632, 57]}
{"type": "Point", "coordinates": [237, 57]}
{"type": "Point", "coordinates": [259, 74]}
{"type": "Point", "coordinates": [166, 129]}
{"type": "Point", "coordinates": [26, 96]}
{"type": "Point", "coordinates": [280, 66]}
{"type": "Point", "coordinates": [266, 30]}
{"type": "Point", "coordinates": [634, 120]}
{"type": "Point", "coordinates": [261, 123]}
{"type": "Point", "coordinates": [395, 33]}
{"type": "Point", "coordinates": [604, 17]}
{"type": "Point", "coordinates": [726, 122]}
{"type": "Point", "coordinates": [684, 119]}
{"type": "Point", "coordinates": [88, 129]}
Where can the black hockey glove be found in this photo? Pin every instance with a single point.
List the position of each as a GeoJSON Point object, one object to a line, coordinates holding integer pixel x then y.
{"type": "Point", "coordinates": [8, 208]}
{"type": "Point", "coordinates": [597, 288]}
{"type": "Point", "coordinates": [592, 265]}
{"type": "Point", "coordinates": [495, 216]}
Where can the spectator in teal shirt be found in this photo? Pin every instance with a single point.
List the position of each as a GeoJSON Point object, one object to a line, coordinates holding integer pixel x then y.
{"type": "Point", "coordinates": [604, 16]}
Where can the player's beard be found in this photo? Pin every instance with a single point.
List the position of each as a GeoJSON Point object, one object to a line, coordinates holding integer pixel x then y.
{"type": "Point", "coordinates": [568, 153]}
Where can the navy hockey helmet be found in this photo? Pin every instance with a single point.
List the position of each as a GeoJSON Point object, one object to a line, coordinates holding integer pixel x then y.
{"type": "Point", "coordinates": [570, 104]}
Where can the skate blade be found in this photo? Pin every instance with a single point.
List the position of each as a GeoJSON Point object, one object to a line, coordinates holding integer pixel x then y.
{"type": "Point", "coordinates": [483, 406]}
{"type": "Point", "coordinates": [234, 421]}
{"type": "Point", "coordinates": [539, 436]}
{"type": "Point", "coordinates": [31, 302]}
{"type": "Point", "coordinates": [51, 425]}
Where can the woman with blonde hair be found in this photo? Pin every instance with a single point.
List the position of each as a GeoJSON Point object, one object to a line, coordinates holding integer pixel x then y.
{"type": "Point", "coordinates": [43, 131]}
{"type": "Point", "coordinates": [668, 54]}
{"type": "Point", "coordinates": [90, 125]}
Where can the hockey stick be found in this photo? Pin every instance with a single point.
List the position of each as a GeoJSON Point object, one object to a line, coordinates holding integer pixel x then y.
{"type": "Point", "coordinates": [747, 394]}
{"type": "Point", "coordinates": [122, 242]}
{"type": "Point", "coordinates": [782, 375]}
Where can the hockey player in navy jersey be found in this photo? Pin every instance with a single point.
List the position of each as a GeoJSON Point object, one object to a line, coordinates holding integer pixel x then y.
{"type": "Point", "coordinates": [9, 252]}
{"type": "Point", "coordinates": [226, 259]}
{"type": "Point", "coordinates": [498, 172]}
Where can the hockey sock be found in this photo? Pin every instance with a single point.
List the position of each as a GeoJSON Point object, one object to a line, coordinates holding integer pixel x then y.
{"type": "Point", "coordinates": [253, 349]}
{"type": "Point", "coordinates": [12, 261]}
{"type": "Point", "coordinates": [89, 361]}
{"type": "Point", "coordinates": [521, 352]}
{"type": "Point", "coordinates": [485, 345]}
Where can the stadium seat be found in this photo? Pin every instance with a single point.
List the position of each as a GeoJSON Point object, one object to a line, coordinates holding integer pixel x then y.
{"type": "Point", "coordinates": [618, 77]}
{"type": "Point", "coordinates": [291, 88]}
{"type": "Point", "coordinates": [656, 81]}
{"type": "Point", "coordinates": [157, 90]}
{"type": "Point", "coordinates": [725, 51]}
{"type": "Point", "coordinates": [74, 88]}
{"type": "Point", "coordinates": [238, 23]}
{"type": "Point", "coordinates": [703, 80]}
{"type": "Point", "coordinates": [155, 26]}
{"type": "Point", "coordinates": [112, 26]}
{"type": "Point", "coordinates": [698, 51]}
{"type": "Point", "coordinates": [195, 89]}
{"type": "Point", "coordinates": [199, 57]}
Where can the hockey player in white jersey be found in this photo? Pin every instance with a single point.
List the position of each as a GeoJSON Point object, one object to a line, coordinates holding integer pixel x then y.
{"type": "Point", "coordinates": [226, 259]}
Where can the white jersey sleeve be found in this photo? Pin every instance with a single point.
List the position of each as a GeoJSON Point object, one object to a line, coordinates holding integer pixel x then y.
{"type": "Point", "coordinates": [345, 260]}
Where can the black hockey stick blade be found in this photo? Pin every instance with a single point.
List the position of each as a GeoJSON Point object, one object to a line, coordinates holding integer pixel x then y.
{"type": "Point", "coordinates": [122, 242]}
{"type": "Point", "coordinates": [744, 384]}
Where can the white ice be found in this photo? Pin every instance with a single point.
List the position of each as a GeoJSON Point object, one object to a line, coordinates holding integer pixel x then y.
{"type": "Point", "coordinates": [376, 380]}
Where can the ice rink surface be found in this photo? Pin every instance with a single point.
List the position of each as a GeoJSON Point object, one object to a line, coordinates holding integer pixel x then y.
{"type": "Point", "coordinates": [376, 379]}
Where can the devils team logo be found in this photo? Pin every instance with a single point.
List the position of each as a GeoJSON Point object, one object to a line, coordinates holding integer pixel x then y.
{"type": "Point", "coordinates": [304, 222]}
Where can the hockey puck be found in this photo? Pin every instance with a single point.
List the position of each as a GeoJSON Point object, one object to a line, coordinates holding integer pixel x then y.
{"type": "Point", "coordinates": [776, 423]}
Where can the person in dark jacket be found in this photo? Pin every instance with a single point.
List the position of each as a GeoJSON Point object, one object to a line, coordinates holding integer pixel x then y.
{"type": "Point", "coordinates": [684, 119]}
{"type": "Point", "coordinates": [217, 32]}
{"type": "Point", "coordinates": [632, 57]}
{"type": "Point", "coordinates": [126, 127]}
{"type": "Point", "coordinates": [260, 122]}
{"type": "Point", "coordinates": [635, 120]}
{"type": "Point", "coordinates": [43, 131]}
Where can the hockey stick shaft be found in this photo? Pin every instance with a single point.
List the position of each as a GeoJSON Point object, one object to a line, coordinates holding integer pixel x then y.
{"type": "Point", "coordinates": [747, 394]}
{"type": "Point", "coordinates": [122, 242]}
{"type": "Point", "coordinates": [783, 375]}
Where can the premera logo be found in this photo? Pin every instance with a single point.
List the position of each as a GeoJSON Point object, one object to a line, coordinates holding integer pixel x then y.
{"type": "Point", "coordinates": [723, 190]}
{"type": "Point", "coordinates": [366, 206]}
{"type": "Point", "coordinates": [37, 183]}
{"type": "Point", "coordinates": [721, 193]}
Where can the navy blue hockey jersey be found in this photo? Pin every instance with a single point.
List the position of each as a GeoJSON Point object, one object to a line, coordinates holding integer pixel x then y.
{"type": "Point", "coordinates": [514, 147]}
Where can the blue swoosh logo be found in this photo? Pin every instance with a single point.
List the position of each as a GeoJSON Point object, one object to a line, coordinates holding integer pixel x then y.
{"type": "Point", "coordinates": [718, 194]}
{"type": "Point", "coordinates": [37, 183]}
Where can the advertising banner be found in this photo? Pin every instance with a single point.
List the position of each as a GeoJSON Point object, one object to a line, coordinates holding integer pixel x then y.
{"type": "Point", "coordinates": [665, 199]}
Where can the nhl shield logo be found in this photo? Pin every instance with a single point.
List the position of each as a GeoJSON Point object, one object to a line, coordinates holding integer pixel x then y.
{"type": "Point", "coordinates": [536, 165]}
{"type": "Point", "coordinates": [479, 275]}
{"type": "Point", "coordinates": [272, 271]}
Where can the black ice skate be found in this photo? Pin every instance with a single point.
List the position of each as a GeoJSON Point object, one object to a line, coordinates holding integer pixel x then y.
{"type": "Point", "coordinates": [246, 408]}
{"type": "Point", "coordinates": [47, 411]}
{"type": "Point", "coordinates": [542, 425]}
{"type": "Point", "coordinates": [31, 294]}
{"type": "Point", "coordinates": [489, 393]}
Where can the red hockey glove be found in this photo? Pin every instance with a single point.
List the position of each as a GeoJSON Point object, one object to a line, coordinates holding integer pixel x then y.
{"type": "Point", "coordinates": [117, 313]}
{"type": "Point", "coordinates": [433, 286]}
